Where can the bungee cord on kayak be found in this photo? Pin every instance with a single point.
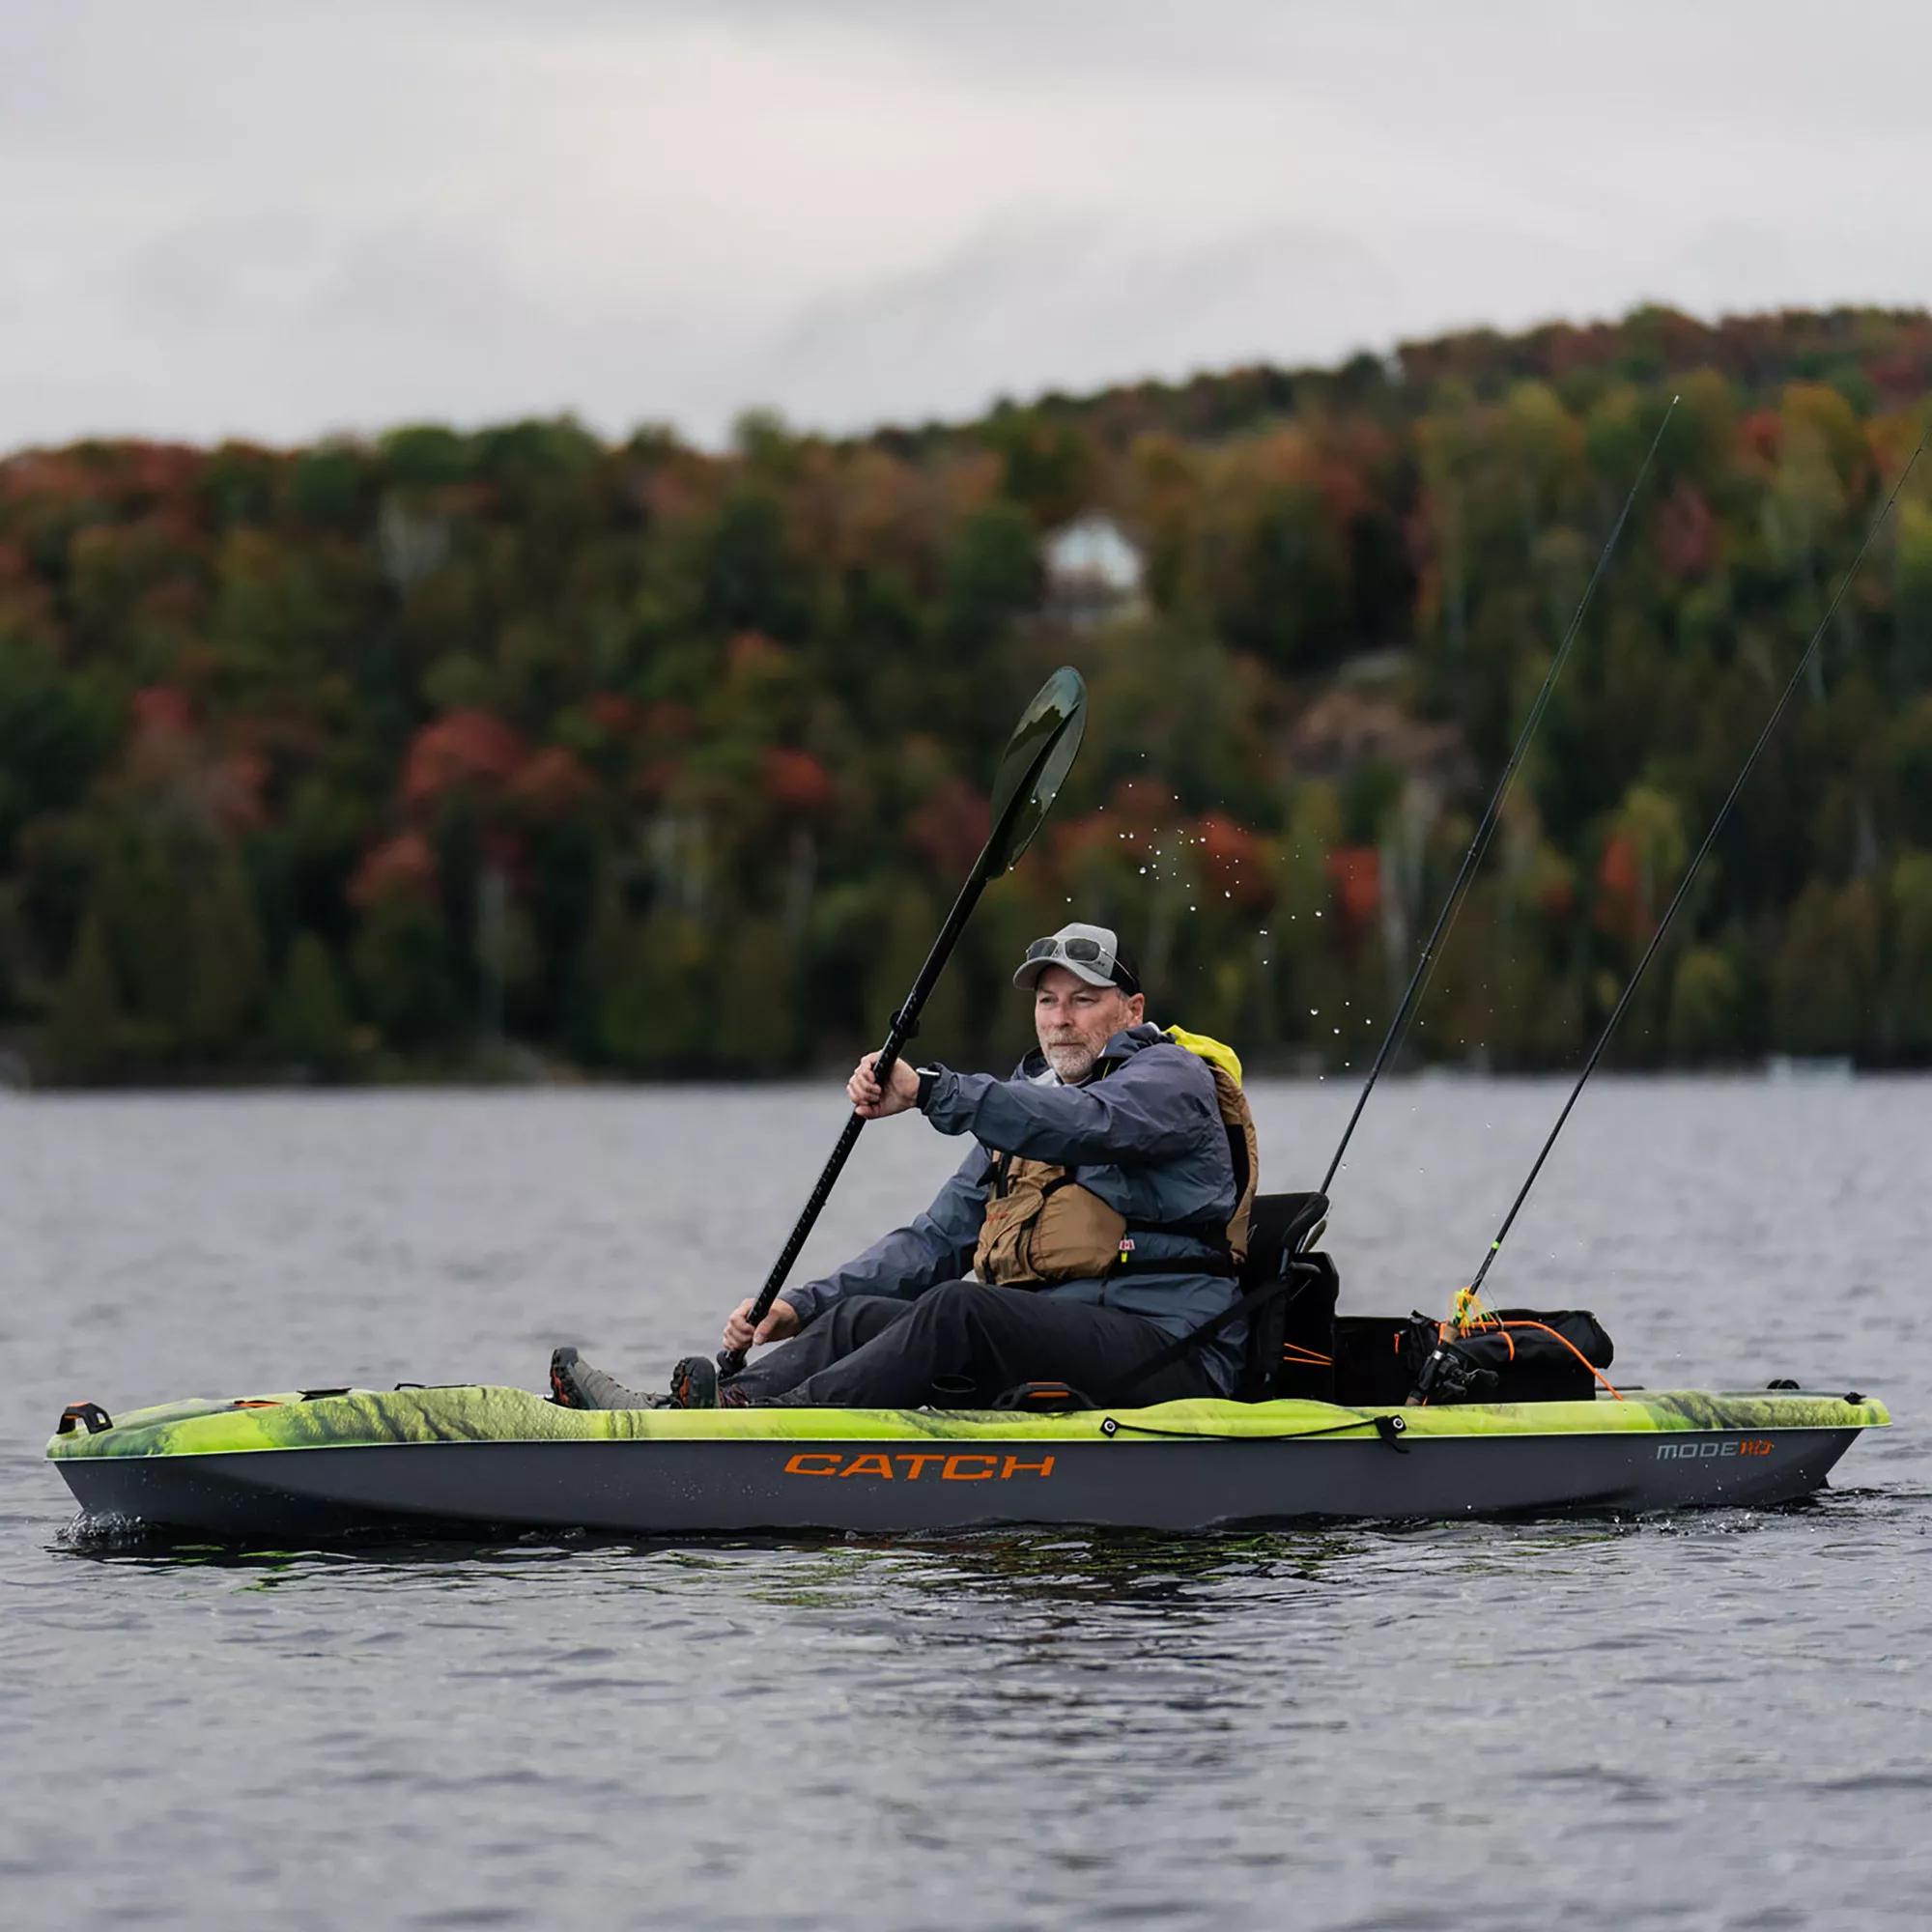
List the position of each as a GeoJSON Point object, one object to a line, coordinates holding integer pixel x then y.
{"type": "Point", "coordinates": [1445, 919]}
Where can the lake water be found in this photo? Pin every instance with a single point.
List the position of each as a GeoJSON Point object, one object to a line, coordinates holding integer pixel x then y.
{"type": "Point", "coordinates": [1713, 1720]}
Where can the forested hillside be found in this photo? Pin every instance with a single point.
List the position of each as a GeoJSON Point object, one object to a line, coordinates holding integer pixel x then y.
{"type": "Point", "coordinates": [454, 752]}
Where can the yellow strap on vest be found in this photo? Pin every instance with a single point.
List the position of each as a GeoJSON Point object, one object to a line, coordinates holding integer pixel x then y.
{"type": "Point", "coordinates": [1216, 1053]}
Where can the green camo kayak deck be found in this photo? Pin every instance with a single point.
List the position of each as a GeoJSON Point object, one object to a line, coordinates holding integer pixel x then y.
{"type": "Point", "coordinates": [465, 1458]}
{"type": "Point", "coordinates": [481, 1413]}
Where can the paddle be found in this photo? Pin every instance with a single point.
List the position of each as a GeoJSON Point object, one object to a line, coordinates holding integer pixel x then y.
{"type": "Point", "coordinates": [1032, 768]}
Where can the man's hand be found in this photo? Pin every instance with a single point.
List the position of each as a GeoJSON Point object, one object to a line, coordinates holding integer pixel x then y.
{"type": "Point", "coordinates": [868, 1102]}
{"type": "Point", "coordinates": [782, 1321]}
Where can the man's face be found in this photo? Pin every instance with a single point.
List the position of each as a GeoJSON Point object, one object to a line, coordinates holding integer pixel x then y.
{"type": "Point", "coordinates": [1074, 1020]}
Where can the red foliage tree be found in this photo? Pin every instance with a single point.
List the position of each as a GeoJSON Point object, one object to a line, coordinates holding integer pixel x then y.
{"type": "Point", "coordinates": [404, 868]}
{"type": "Point", "coordinates": [1687, 535]}
{"type": "Point", "coordinates": [1760, 432]}
{"type": "Point", "coordinates": [162, 711]}
{"type": "Point", "coordinates": [472, 749]}
{"type": "Point", "coordinates": [1234, 861]}
{"type": "Point", "coordinates": [552, 785]}
{"type": "Point", "coordinates": [951, 827]}
{"type": "Point", "coordinates": [796, 781]}
{"type": "Point", "coordinates": [1619, 886]}
{"type": "Point", "coordinates": [616, 714]}
{"type": "Point", "coordinates": [752, 651]}
{"type": "Point", "coordinates": [1357, 873]}
{"type": "Point", "coordinates": [669, 721]}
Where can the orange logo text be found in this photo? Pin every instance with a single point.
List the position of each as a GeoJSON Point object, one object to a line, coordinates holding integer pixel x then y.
{"type": "Point", "coordinates": [909, 1467]}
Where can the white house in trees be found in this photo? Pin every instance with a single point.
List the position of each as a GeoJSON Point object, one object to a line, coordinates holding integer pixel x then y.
{"type": "Point", "coordinates": [1093, 571]}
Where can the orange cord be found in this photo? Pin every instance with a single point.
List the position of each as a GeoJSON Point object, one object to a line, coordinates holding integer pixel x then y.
{"type": "Point", "coordinates": [1574, 1350]}
{"type": "Point", "coordinates": [1501, 1325]}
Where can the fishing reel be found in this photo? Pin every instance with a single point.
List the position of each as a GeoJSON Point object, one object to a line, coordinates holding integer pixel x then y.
{"type": "Point", "coordinates": [1449, 1377]}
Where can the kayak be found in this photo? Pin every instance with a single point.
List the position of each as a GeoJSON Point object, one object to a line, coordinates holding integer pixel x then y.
{"type": "Point", "coordinates": [467, 1460]}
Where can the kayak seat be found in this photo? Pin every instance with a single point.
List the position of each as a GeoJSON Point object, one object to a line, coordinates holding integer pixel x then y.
{"type": "Point", "coordinates": [1290, 1343]}
{"type": "Point", "coordinates": [1279, 1227]}
{"type": "Point", "coordinates": [1288, 1301]}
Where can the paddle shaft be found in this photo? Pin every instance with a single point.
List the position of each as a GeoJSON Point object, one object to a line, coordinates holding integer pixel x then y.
{"type": "Point", "coordinates": [1042, 762]}
{"type": "Point", "coordinates": [905, 1023]}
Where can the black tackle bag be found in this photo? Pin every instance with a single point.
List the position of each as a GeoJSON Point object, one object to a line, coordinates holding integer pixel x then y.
{"type": "Point", "coordinates": [1517, 1355]}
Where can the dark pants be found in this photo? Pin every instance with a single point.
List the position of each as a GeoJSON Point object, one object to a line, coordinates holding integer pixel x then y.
{"type": "Point", "coordinates": [961, 1345]}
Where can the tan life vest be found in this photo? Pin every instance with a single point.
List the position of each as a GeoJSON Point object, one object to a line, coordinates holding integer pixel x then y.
{"type": "Point", "coordinates": [1042, 1226]}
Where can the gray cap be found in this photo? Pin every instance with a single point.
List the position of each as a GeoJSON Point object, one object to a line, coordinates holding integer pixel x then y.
{"type": "Point", "coordinates": [1089, 952]}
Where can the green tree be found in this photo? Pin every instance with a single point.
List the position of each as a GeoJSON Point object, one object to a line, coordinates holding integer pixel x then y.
{"type": "Point", "coordinates": [138, 893]}
{"type": "Point", "coordinates": [657, 1007]}
{"type": "Point", "coordinates": [1912, 593]}
{"type": "Point", "coordinates": [1049, 465]}
{"type": "Point", "coordinates": [1908, 987]}
{"type": "Point", "coordinates": [308, 1020]}
{"type": "Point", "coordinates": [747, 574]}
{"type": "Point", "coordinates": [756, 1029]}
{"type": "Point", "coordinates": [85, 1030]}
{"type": "Point", "coordinates": [404, 977]}
{"type": "Point", "coordinates": [1826, 973]}
{"type": "Point", "coordinates": [992, 575]}
{"type": "Point", "coordinates": [228, 973]}
{"type": "Point", "coordinates": [56, 724]}
{"type": "Point", "coordinates": [1705, 1006]}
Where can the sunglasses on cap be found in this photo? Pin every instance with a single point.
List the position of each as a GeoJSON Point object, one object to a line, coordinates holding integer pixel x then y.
{"type": "Point", "coordinates": [1084, 952]}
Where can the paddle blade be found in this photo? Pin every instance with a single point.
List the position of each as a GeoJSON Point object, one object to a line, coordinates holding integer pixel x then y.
{"type": "Point", "coordinates": [1037, 759]}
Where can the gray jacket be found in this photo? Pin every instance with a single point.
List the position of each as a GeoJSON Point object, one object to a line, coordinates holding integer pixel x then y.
{"type": "Point", "coordinates": [1146, 1133]}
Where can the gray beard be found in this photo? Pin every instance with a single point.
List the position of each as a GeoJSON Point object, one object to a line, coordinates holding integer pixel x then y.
{"type": "Point", "coordinates": [1072, 1064]}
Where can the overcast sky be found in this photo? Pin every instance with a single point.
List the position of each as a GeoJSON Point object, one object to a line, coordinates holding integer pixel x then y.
{"type": "Point", "coordinates": [273, 220]}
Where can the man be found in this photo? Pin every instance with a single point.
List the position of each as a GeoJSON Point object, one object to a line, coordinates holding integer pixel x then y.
{"type": "Point", "coordinates": [1103, 1205]}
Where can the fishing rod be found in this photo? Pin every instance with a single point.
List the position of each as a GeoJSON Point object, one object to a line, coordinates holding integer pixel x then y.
{"type": "Point", "coordinates": [1445, 919]}
{"type": "Point", "coordinates": [1466, 1299]}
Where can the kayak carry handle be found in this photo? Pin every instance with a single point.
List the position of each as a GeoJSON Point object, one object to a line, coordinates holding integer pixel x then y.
{"type": "Point", "coordinates": [91, 1413]}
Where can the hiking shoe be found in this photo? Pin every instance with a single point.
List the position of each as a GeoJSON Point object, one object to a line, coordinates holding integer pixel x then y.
{"type": "Point", "coordinates": [694, 1384]}
{"type": "Point", "coordinates": [574, 1383]}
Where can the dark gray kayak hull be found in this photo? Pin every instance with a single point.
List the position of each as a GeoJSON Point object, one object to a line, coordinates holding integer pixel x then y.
{"type": "Point", "coordinates": [654, 1485]}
